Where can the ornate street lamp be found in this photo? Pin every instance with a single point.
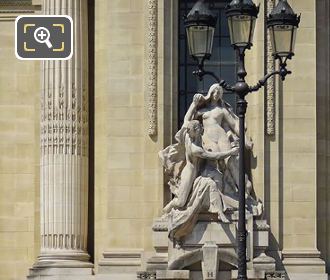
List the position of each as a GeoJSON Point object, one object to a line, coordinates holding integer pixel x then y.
{"type": "Point", "coordinates": [283, 24]}
{"type": "Point", "coordinates": [200, 24]}
{"type": "Point", "coordinates": [241, 15]}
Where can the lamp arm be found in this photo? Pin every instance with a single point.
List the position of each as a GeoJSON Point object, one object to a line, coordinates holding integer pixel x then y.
{"type": "Point", "coordinates": [282, 72]}
{"type": "Point", "coordinates": [226, 86]}
{"type": "Point", "coordinates": [263, 81]}
{"type": "Point", "coordinates": [200, 73]}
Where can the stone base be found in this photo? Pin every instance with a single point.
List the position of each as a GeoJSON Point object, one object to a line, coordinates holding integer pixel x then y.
{"type": "Point", "coordinates": [172, 274]}
{"type": "Point", "coordinates": [303, 261]}
{"type": "Point", "coordinates": [307, 276]}
{"type": "Point", "coordinates": [304, 264]}
{"type": "Point", "coordinates": [251, 274]}
{"type": "Point", "coordinates": [117, 276]}
{"type": "Point", "coordinates": [62, 266]}
{"type": "Point", "coordinates": [222, 275]}
{"type": "Point", "coordinates": [64, 273]}
{"type": "Point", "coordinates": [158, 262]}
{"type": "Point", "coordinates": [264, 263]}
{"type": "Point", "coordinates": [208, 251]}
{"type": "Point", "coordinates": [198, 275]}
{"type": "Point", "coordinates": [119, 264]}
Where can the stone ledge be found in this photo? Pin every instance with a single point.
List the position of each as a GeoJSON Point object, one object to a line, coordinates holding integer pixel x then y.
{"type": "Point", "coordinates": [303, 261]}
{"type": "Point", "coordinates": [251, 274]}
{"type": "Point", "coordinates": [52, 271]}
{"type": "Point", "coordinates": [301, 253]}
{"type": "Point", "coordinates": [172, 274]}
{"type": "Point", "coordinates": [307, 276]}
{"type": "Point", "coordinates": [120, 261]}
{"type": "Point", "coordinates": [61, 277]}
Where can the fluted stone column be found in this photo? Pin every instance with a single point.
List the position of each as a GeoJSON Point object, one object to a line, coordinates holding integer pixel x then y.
{"type": "Point", "coordinates": [64, 148]}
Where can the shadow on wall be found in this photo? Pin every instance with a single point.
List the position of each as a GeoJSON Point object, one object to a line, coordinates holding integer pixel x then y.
{"type": "Point", "coordinates": [323, 129]}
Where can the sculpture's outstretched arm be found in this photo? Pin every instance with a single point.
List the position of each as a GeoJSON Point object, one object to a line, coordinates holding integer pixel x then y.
{"type": "Point", "coordinates": [201, 153]}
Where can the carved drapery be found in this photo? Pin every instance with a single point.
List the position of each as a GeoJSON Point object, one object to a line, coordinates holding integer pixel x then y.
{"type": "Point", "coordinates": [270, 86]}
{"type": "Point", "coordinates": [64, 145]}
{"type": "Point", "coordinates": [152, 66]}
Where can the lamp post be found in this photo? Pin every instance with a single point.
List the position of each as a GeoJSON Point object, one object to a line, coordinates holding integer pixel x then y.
{"type": "Point", "coordinates": [241, 16]}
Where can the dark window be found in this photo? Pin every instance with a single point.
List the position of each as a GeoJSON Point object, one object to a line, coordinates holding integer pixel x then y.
{"type": "Point", "coordinates": [222, 62]}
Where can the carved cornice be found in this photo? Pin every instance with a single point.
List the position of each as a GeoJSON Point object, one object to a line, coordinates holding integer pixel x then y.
{"type": "Point", "coordinates": [146, 275]}
{"type": "Point", "coordinates": [276, 275]}
{"type": "Point", "coordinates": [160, 225]}
{"type": "Point", "coordinates": [128, 258]}
{"type": "Point", "coordinates": [152, 65]}
{"type": "Point", "coordinates": [270, 86]}
{"type": "Point", "coordinates": [261, 225]}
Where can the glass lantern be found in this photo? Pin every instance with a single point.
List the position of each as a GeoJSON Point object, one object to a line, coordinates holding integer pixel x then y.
{"type": "Point", "coordinates": [282, 24]}
{"type": "Point", "coordinates": [200, 25]}
{"type": "Point", "coordinates": [241, 16]}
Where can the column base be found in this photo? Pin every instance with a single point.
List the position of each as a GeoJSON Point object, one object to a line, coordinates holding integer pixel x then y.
{"type": "Point", "coordinates": [62, 266]}
{"type": "Point", "coordinates": [304, 264]}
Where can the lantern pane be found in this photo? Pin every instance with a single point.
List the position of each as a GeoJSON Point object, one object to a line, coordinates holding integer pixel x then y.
{"type": "Point", "coordinates": [253, 22]}
{"type": "Point", "coordinates": [294, 36]}
{"type": "Point", "coordinates": [241, 29]}
{"type": "Point", "coordinates": [283, 39]}
{"type": "Point", "coordinates": [200, 40]}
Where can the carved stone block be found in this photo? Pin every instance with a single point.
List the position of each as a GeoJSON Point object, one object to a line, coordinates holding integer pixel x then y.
{"type": "Point", "coordinates": [210, 261]}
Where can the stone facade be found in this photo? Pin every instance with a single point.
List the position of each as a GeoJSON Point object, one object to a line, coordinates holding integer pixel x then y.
{"type": "Point", "coordinates": [135, 116]}
{"type": "Point", "coordinates": [19, 159]}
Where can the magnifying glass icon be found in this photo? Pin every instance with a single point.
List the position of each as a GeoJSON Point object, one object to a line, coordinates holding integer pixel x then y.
{"type": "Point", "coordinates": [41, 35]}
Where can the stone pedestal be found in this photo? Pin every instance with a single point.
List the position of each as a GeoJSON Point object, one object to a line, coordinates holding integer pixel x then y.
{"type": "Point", "coordinates": [209, 251]}
{"type": "Point", "coordinates": [304, 264]}
{"type": "Point", "coordinates": [62, 273]}
{"type": "Point", "coordinates": [64, 155]}
{"type": "Point", "coordinates": [120, 264]}
{"type": "Point", "coordinates": [173, 274]}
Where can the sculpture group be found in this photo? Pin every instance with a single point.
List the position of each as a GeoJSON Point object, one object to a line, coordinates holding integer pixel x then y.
{"type": "Point", "coordinates": [203, 166]}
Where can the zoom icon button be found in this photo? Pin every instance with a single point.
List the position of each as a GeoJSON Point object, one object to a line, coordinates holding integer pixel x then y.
{"type": "Point", "coordinates": [43, 37]}
{"type": "Point", "coordinates": [39, 35]}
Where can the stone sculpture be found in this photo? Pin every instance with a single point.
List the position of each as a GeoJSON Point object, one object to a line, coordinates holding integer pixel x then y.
{"type": "Point", "coordinates": [203, 165]}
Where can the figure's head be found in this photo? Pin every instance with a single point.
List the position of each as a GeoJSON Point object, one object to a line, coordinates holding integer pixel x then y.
{"type": "Point", "coordinates": [215, 92]}
{"type": "Point", "coordinates": [194, 129]}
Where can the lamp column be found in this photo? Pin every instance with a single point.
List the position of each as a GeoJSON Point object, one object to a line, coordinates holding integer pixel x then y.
{"type": "Point", "coordinates": [241, 88]}
{"type": "Point", "coordinates": [64, 149]}
{"type": "Point", "coordinates": [241, 230]}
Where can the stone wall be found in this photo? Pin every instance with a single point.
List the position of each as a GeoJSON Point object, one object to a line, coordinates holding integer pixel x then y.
{"type": "Point", "coordinates": [285, 163]}
{"type": "Point", "coordinates": [19, 158]}
{"type": "Point", "coordinates": [128, 175]}
{"type": "Point", "coordinates": [322, 115]}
